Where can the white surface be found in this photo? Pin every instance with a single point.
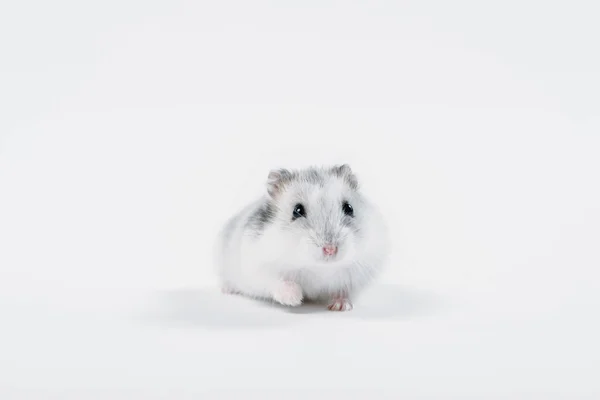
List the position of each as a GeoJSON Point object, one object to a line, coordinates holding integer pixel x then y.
{"type": "Point", "coordinates": [130, 130]}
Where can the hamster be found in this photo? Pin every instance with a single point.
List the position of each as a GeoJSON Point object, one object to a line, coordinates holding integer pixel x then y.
{"type": "Point", "coordinates": [312, 236]}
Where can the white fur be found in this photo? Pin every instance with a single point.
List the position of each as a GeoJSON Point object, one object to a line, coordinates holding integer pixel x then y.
{"type": "Point", "coordinates": [285, 262]}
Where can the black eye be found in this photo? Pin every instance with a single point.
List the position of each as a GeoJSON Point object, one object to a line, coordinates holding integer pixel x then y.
{"type": "Point", "coordinates": [299, 211]}
{"type": "Point", "coordinates": [348, 210]}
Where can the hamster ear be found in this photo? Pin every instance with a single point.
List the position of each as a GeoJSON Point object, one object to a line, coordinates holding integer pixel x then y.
{"type": "Point", "coordinates": [344, 171]}
{"type": "Point", "coordinates": [276, 180]}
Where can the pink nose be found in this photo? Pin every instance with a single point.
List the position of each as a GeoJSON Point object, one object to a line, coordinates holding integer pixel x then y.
{"type": "Point", "coordinates": [329, 249]}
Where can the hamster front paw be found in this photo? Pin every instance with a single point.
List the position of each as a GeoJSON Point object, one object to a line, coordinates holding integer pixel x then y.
{"type": "Point", "coordinates": [288, 293]}
{"type": "Point", "coordinates": [340, 304]}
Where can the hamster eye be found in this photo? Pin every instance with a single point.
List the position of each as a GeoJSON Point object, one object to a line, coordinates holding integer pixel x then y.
{"type": "Point", "coordinates": [299, 211]}
{"type": "Point", "coordinates": [348, 210]}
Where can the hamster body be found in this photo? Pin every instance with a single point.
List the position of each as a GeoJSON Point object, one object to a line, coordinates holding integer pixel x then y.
{"type": "Point", "coordinates": [312, 236]}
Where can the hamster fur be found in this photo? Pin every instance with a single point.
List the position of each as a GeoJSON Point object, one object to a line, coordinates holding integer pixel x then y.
{"type": "Point", "coordinates": [312, 236]}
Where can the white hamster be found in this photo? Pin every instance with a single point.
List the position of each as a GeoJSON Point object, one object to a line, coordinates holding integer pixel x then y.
{"type": "Point", "coordinates": [313, 236]}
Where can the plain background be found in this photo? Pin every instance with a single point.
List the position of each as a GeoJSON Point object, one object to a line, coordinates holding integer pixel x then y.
{"type": "Point", "coordinates": [130, 130]}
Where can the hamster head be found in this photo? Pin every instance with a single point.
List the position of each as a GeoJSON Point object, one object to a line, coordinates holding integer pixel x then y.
{"type": "Point", "coordinates": [316, 215]}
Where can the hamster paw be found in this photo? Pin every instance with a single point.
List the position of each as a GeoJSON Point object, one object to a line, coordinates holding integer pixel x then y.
{"type": "Point", "coordinates": [288, 293]}
{"type": "Point", "coordinates": [340, 304]}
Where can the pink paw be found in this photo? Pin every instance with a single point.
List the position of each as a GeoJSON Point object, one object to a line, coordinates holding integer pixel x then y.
{"type": "Point", "coordinates": [340, 304]}
{"type": "Point", "coordinates": [288, 293]}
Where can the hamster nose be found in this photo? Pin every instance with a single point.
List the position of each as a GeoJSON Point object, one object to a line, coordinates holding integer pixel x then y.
{"type": "Point", "coordinates": [329, 249]}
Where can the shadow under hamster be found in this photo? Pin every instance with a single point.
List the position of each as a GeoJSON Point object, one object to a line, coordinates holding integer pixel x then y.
{"type": "Point", "coordinates": [209, 308]}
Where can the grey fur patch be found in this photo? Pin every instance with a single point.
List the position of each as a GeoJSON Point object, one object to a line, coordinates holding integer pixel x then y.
{"type": "Point", "coordinates": [313, 176]}
{"type": "Point", "coordinates": [279, 178]}
{"type": "Point", "coordinates": [263, 216]}
{"type": "Point", "coordinates": [345, 172]}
